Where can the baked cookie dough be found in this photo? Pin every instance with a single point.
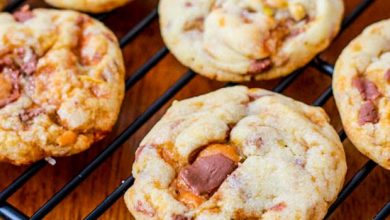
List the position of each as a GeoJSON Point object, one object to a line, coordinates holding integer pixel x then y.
{"type": "Point", "coordinates": [61, 83]}
{"type": "Point", "coordinates": [361, 85]}
{"type": "Point", "coordinates": [241, 40]}
{"type": "Point", "coordinates": [238, 153]}
{"type": "Point", "coordinates": [93, 6]}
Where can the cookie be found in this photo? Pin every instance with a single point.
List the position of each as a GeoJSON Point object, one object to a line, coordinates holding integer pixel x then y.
{"type": "Point", "coordinates": [232, 40]}
{"type": "Point", "coordinates": [93, 6]}
{"type": "Point", "coordinates": [61, 83]}
{"type": "Point", "coordinates": [238, 153]}
{"type": "Point", "coordinates": [361, 86]}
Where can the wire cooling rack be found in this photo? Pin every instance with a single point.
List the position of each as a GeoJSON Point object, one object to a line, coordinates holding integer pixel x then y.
{"type": "Point", "coordinates": [7, 211]}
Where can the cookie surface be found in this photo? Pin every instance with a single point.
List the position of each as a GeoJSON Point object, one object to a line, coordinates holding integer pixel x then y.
{"type": "Point", "coordinates": [361, 86]}
{"type": "Point", "coordinates": [93, 6]}
{"type": "Point", "coordinates": [241, 40]}
{"type": "Point", "coordinates": [61, 83]}
{"type": "Point", "coordinates": [238, 153]}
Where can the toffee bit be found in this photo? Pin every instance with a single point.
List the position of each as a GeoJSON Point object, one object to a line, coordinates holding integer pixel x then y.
{"type": "Point", "coordinates": [259, 66]}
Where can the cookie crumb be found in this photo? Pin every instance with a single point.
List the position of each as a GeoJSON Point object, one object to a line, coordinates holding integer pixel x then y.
{"type": "Point", "coordinates": [51, 160]}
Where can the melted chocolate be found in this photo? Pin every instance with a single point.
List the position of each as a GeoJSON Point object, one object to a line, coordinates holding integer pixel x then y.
{"type": "Point", "coordinates": [206, 174]}
{"type": "Point", "coordinates": [259, 66]}
{"type": "Point", "coordinates": [368, 113]}
{"type": "Point", "coordinates": [367, 89]}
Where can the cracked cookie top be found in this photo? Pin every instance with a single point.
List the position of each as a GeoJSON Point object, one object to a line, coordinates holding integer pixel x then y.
{"type": "Point", "coordinates": [361, 87]}
{"type": "Point", "coordinates": [238, 153]}
{"type": "Point", "coordinates": [240, 40]}
{"type": "Point", "coordinates": [61, 83]}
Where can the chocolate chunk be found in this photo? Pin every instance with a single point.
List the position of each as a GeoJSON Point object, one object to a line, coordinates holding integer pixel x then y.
{"type": "Point", "coordinates": [24, 59]}
{"type": "Point", "coordinates": [188, 4]}
{"type": "Point", "coordinates": [278, 207]}
{"type": "Point", "coordinates": [254, 140]}
{"type": "Point", "coordinates": [296, 31]}
{"type": "Point", "coordinates": [387, 75]}
{"type": "Point", "coordinates": [259, 66]}
{"type": "Point", "coordinates": [23, 14]}
{"type": "Point", "coordinates": [29, 60]}
{"type": "Point", "coordinates": [145, 209]}
{"type": "Point", "coordinates": [180, 217]}
{"type": "Point", "coordinates": [206, 174]}
{"type": "Point", "coordinates": [245, 16]}
{"type": "Point", "coordinates": [367, 89]}
{"type": "Point", "coordinates": [30, 114]}
{"type": "Point", "coordinates": [368, 113]}
{"type": "Point", "coordinates": [196, 24]}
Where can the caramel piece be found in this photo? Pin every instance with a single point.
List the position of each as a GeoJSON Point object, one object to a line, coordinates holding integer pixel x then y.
{"type": "Point", "coordinates": [227, 150]}
{"type": "Point", "coordinates": [68, 137]}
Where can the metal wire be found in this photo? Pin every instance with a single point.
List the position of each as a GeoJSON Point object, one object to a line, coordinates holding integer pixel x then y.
{"type": "Point", "coordinates": [287, 81]}
{"type": "Point", "coordinates": [13, 5]}
{"type": "Point", "coordinates": [383, 213]}
{"type": "Point", "coordinates": [324, 97]}
{"type": "Point", "coordinates": [21, 180]}
{"type": "Point", "coordinates": [138, 28]}
{"type": "Point", "coordinates": [323, 66]}
{"type": "Point", "coordinates": [8, 211]}
{"type": "Point", "coordinates": [111, 199]}
{"type": "Point", "coordinates": [355, 13]}
{"type": "Point", "coordinates": [351, 185]}
{"type": "Point", "coordinates": [137, 75]}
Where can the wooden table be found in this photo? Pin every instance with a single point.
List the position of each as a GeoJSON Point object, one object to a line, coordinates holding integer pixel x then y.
{"type": "Point", "coordinates": [364, 202]}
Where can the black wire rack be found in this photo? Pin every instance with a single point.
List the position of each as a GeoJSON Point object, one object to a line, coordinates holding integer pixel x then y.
{"type": "Point", "coordinates": [8, 211]}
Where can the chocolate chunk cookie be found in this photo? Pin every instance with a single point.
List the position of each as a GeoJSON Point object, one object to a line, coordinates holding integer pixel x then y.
{"type": "Point", "coordinates": [61, 83]}
{"type": "Point", "coordinates": [241, 40]}
{"type": "Point", "coordinates": [361, 87]}
{"type": "Point", "coordinates": [238, 153]}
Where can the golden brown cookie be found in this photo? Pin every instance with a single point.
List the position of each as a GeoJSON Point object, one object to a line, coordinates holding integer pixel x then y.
{"type": "Point", "coordinates": [241, 40]}
{"type": "Point", "coordinates": [361, 85]}
{"type": "Point", "coordinates": [61, 83]}
{"type": "Point", "coordinates": [238, 153]}
{"type": "Point", "coordinates": [93, 6]}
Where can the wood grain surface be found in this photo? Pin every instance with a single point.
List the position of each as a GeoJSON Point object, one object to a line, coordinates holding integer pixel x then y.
{"type": "Point", "coordinates": [364, 202]}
